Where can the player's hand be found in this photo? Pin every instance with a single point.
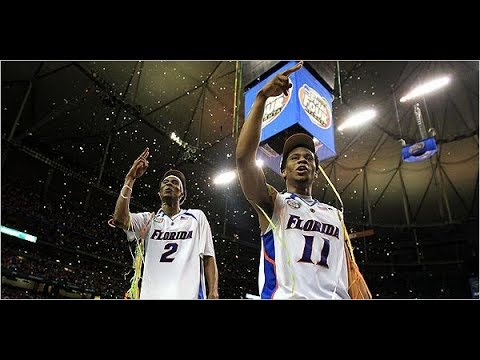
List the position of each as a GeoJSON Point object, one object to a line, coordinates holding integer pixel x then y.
{"type": "Point", "coordinates": [280, 84]}
{"type": "Point", "coordinates": [139, 166]}
{"type": "Point", "coordinates": [213, 295]}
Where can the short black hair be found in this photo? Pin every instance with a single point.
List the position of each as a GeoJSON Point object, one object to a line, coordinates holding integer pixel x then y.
{"type": "Point", "coordinates": [180, 175]}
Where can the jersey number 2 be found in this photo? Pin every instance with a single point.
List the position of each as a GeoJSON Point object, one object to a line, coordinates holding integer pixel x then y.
{"type": "Point", "coordinates": [171, 249]}
{"type": "Point", "coordinates": [307, 251]}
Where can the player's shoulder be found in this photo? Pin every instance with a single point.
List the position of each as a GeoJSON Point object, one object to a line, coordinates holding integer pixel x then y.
{"type": "Point", "coordinates": [144, 216]}
{"type": "Point", "coordinates": [283, 195]}
{"type": "Point", "coordinates": [271, 190]}
{"type": "Point", "coordinates": [196, 212]}
{"type": "Point", "coordinates": [326, 206]}
{"type": "Point", "coordinates": [143, 213]}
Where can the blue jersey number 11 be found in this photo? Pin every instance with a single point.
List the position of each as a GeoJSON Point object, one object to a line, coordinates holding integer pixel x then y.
{"type": "Point", "coordinates": [307, 251]}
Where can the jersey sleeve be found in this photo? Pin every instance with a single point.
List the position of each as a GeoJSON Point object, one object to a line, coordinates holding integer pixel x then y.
{"type": "Point", "coordinates": [205, 236]}
{"type": "Point", "coordinates": [137, 222]}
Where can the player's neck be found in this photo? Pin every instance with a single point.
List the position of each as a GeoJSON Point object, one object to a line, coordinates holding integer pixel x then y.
{"type": "Point", "coordinates": [299, 189]}
{"type": "Point", "coordinates": [171, 209]}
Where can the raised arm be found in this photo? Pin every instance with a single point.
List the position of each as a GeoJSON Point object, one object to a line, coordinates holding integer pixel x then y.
{"type": "Point", "coordinates": [121, 216]}
{"type": "Point", "coordinates": [252, 178]}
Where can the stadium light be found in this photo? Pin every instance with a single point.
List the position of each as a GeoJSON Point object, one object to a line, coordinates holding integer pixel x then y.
{"type": "Point", "coordinates": [225, 177]}
{"type": "Point", "coordinates": [426, 88]}
{"type": "Point", "coordinates": [358, 119]}
{"type": "Point", "coordinates": [18, 234]}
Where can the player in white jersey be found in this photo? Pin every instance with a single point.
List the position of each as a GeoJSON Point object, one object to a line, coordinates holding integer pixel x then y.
{"type": "Point", "coordinates": [303, 254]}
{"type": "Point", "coordinates": [179, 251]}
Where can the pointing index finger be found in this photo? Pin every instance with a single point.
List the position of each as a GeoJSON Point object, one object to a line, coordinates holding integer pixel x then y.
{"type": "Point", "coordinates": [144, 154]}
{"type": "Point", "coordinates": [293, 69]}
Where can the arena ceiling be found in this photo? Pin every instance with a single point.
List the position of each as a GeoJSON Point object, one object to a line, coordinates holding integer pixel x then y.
{"type": "Point", "coordinates": [94, 118]}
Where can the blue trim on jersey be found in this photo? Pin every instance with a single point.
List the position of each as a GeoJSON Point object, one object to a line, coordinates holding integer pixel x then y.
{"type": "Point", "coordinates": [200, 289]}
{"type": "Point", "coordinates": [295, 196]}
{"type": "Point", "coordinates": [200, 292]}
{"type": "Point", "coordinates": [270, 284]}
{"type": "Point", "coordinates": [187, 213]}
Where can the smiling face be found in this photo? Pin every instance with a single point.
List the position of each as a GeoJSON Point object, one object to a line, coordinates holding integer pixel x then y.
{"type": "Point", "coordinates": [171, 189]}
{"type": "Point", "coordinates": [300, 167]}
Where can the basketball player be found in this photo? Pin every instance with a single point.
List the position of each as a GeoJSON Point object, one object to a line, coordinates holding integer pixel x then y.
{"type": "Point", "coordinates": [303, 253]}
{"type": "Point", "coordinates": [179, 252]}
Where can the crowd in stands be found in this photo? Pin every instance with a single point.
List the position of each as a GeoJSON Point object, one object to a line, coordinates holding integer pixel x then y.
{"type": "Point", "coordinates": [13, 292]}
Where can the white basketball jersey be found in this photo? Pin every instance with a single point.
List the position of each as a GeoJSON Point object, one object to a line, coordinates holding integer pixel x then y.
{"type": "Point", "coordinates": [174, 250]}
{"type": "Point", "coordinates": [304, 256]}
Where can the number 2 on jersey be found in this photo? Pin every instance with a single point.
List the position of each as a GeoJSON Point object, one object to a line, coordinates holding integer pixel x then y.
{"type": "Point", "coordinates": [171, 249]}
{"type": "Point", "coordinates": [307, 251]}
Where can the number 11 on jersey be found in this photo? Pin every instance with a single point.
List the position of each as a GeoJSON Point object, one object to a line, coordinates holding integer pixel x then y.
{"type": "Point", "coordinates": [307, 251]}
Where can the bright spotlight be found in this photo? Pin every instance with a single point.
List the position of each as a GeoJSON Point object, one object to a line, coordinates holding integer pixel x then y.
{"type": "Point", "coordinates": [18, 234]}
{"type": "Point", "coordinates": [259, 163]}
{"type": "Point", "coordinates": [358, 119]}
{"type": "Point", "coordinates": [426, 88]}
{"type": "Point", "coordinates": [225, 177]}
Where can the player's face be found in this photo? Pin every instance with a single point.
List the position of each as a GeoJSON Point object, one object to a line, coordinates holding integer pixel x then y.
{"type": "Point", "coordinates": [300, 165]}
{"type": "Point", "coordinates": [170, 187]}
